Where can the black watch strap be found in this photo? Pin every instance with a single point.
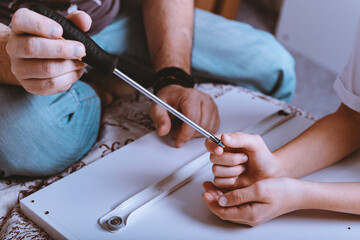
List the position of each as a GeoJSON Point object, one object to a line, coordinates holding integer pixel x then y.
{"type": "Point", "coordinates": [172, 75]}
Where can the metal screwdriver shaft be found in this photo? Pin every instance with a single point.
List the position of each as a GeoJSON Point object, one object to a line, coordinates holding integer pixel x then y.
{"type": "Point", "coordinates": [168, 107]}
{"type": "Point", "coordinates": [106, 63]}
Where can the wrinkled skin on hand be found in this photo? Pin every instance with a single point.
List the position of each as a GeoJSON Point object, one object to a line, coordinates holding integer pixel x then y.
{"type": "Point", "coordinates": [41, 60]}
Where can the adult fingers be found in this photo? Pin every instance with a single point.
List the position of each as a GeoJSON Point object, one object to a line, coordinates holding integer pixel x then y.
{"type": "Point", "coordinates": [216, 118]}
{"type": "Point", "coordinates": [161, 119]}
{"type": "Point", "coordinates": [52, 85]}
{"type": "Point", "coordinates": [192, 110]}
{"type": "Point", "coordinates": [210, 120]}
{"type": "Point", "coordinates": [228, 172]}
{"type": "Point", "coordinates": [36, 68]}
{"type": "Point", "coordinates": [228, 158]}
{"type": "Point", "coordinates": [25, 21]}
{"type": "Point", "coordinates": [80, 19]}
{"type": "Point", "coordinates": [43, 48]}
{"type": "Point", "coordinates": [209, 114]}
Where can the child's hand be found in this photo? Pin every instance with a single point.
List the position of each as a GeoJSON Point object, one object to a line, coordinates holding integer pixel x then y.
{"type": "Point", "coordinates": [246, 160]}
{"type": "Point", "coordinates": [256, 204]}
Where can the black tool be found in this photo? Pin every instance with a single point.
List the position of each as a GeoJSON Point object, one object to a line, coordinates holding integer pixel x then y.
{"type": "Point", "coordinates": [107, 63]}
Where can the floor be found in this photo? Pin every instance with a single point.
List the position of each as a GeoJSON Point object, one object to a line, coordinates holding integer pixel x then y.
{"type": "Point", "coordinates": [314, 91]}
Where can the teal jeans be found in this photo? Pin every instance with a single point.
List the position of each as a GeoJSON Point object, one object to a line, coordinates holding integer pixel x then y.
{"type": "Point", "coordinates": [42, 135]}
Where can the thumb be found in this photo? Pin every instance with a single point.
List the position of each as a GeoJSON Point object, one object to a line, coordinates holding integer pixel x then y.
{"type": "Point", "coordinates": [81, 19]}
{"type": "Point", "coordinates": [242, 140]}
{"type": "Point", "coordinates": [161, 119]}
{"type": "Point", "coordinates": [238, 197]}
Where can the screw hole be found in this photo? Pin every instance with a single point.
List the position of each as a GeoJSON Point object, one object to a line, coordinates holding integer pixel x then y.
{"type": "Point", "coordinates": [46, 212]}
{"type": "Point", "coordinates": [32, 201]}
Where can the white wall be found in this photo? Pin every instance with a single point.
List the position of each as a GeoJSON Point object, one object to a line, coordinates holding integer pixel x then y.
{"type": "Point", "coordinates": [320, 29]}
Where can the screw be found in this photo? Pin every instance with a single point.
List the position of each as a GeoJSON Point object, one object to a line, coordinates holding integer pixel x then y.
{"type": "Point", "coordinates": [114, 223]}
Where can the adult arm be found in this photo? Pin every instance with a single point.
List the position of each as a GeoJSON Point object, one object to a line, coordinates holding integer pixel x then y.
{"type": "Point", "coordinates": [169, 32]}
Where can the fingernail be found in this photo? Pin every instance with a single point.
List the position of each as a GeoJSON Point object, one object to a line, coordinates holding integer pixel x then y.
{"type": "Point", "coordinates": [223, 201]}
{"type": "Point", "coordinates": [245, 158]}
{"type": "Point", "coordinates": [55, 31]}
{"type": "Point", "coordinates": [78, 50]}
{"type": "Point", "coordinates": [180, 144]}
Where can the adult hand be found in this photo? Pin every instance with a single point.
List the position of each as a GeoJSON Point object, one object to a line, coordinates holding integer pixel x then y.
{"type": "Point", "coordinates": [197, 106]}
{"type": "Point", "coordinates": [256, 204]}
{"type": "Point", "coordinates": [245, 160]}
{"type": "Point", "coordinates": [42, 62]}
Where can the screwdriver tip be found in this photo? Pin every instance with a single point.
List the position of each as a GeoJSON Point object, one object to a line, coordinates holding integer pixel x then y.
{"type": "Point", "coordinates": [221, 144]}
{"type": "Point", "coordinates": [217, 141]}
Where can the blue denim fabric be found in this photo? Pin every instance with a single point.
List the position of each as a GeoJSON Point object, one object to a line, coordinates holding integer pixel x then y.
{"type": "Point", "coordinates": [223, 51]}
{"type": "Point", "coordinates": [42, 135]}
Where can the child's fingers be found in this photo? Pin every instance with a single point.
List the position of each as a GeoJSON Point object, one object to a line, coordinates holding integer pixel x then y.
{"type": "Point", "coordinates": [229, 159]}
{"type": "Point", "coordinates": [237, 214]}
{"type": "Point", "coordinates": [213, 147]}
{"type": "Point", "coordinates": [211, 202]}
{"type": "Point", "coordinates": [211, 197]}
{"type": "Point", "coordinates": [222, 212]}
{"type": "Point", "coordinates": [243, 181]}
{"type": "Point", "coordinates": [228, 172]}
{"type": "Point", "coordinates": [242, 140]}
{"type": "Point", "coordinates": [211, 188]}
{"type": "Point", "coordinates": [239, 196]}
{"type": "Point", "coordinates": [225, 182]}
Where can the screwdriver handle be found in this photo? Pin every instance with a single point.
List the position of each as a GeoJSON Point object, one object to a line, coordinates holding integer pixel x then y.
{"type": "Point", "coordinates": [95, 55]}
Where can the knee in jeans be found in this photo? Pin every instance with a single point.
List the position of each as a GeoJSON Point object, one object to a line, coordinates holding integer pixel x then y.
{"type": "Point", "coordinates": [284, 81]}
{"type": "Point", "coordinates": [35, 141]}
{"type": "Point", "coordinates": [45, 157]}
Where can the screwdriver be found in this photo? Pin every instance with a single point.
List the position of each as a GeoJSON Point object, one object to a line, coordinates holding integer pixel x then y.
{"type": "Point", "coordinates": [106, 63]}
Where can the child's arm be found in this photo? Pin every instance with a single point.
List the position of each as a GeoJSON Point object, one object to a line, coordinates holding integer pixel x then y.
{"type": "Point", "coordinates": [270, 198]}
{"type": "Point", "coordinates": [327, 141]}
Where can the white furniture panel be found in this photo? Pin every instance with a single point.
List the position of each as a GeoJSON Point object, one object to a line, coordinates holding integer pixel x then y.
{"type": "Point", "coordinates": [71, 207]}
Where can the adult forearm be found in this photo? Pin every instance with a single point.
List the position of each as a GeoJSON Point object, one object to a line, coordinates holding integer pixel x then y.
{"type": "Point", "coordinates": [6, 76]}
{"type": "Point", "coordinates": [169, 32]}
{"type": "Point", "coordinates": [338, 197]}
{"type": "Point", "coordinates": [327, 141]}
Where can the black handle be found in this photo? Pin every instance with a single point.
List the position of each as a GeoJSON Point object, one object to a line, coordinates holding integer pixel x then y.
{"type": "Point", "coordinates": [95, 55]}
